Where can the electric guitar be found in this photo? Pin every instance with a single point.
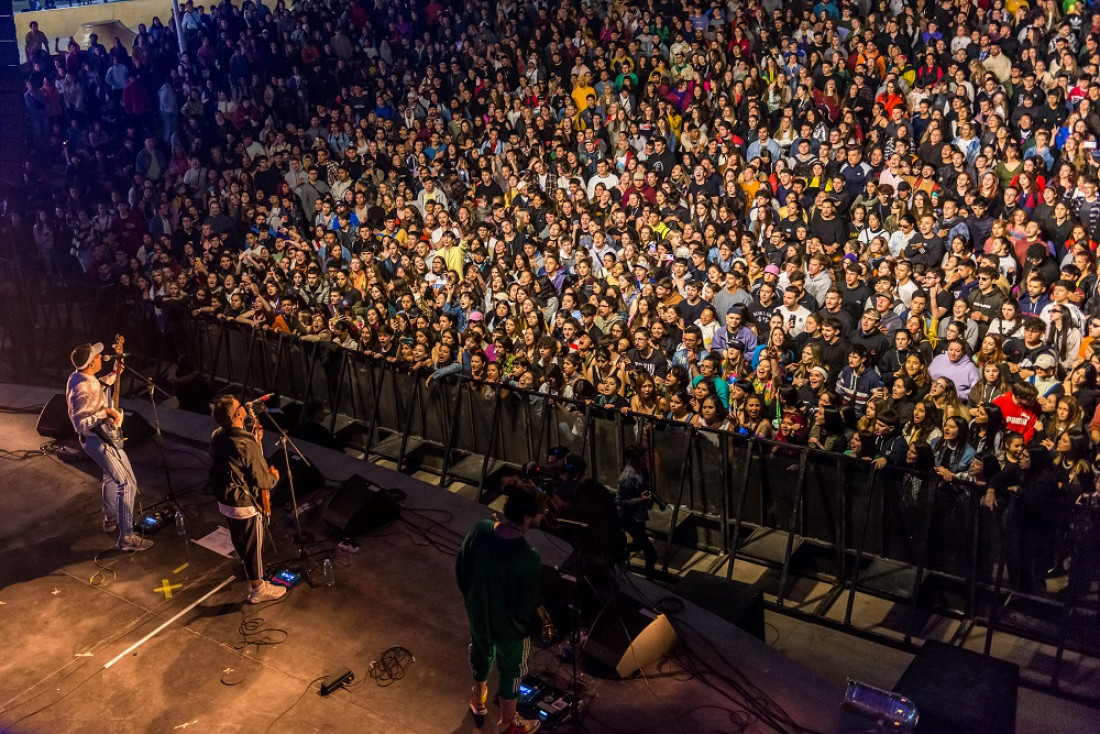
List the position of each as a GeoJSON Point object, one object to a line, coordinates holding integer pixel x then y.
{"type": "Point", "coordinates": [110, 432]}
{"type": "Point", "coordinates": [548, 631]}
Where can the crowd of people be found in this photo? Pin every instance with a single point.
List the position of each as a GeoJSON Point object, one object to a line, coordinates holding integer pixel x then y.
{"type": "Point", "coordinates": [863, 227]}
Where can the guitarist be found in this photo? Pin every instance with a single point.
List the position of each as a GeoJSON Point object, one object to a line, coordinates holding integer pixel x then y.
{"type": "Point", "coordinates": [498, 573]}
{"type": "Point", "coordinates": [91, 413]}
{"type": "Point", "coordinates": [240, 476]}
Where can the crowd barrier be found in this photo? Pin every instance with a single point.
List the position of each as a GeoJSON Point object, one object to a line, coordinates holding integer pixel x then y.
{"type": "Point", "coordinates": [926, 544]}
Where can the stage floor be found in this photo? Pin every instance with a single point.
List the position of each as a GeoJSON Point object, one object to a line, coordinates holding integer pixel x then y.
{"type": "Point", "coordinates": [69, 603]}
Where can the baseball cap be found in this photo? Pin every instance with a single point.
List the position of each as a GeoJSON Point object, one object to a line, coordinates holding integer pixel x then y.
{"type": "Point", "coordinates": [475, 316]}
{"type": "Point", "coordinates": [1045, 362]}
{"type": "Point", "coordinates": [83, 355]}
{"type": "Point", "coordinates": [772, 269]}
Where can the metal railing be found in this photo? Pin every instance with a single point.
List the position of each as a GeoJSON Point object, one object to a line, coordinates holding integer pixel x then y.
{"type": "Point", "coordinates": [926, 544]}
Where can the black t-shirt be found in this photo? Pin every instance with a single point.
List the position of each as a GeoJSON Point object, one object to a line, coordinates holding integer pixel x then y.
{"type": "Point", "coordinates": [705, 190]}
{"type": "Point", "coordinates": [655, 364]}
{"type": "Point", "coordinates": [829, 231]}
{"type": "Point", "coordinates": [690, 312]}
{"type": "Point", "coordinates": [762, 314]}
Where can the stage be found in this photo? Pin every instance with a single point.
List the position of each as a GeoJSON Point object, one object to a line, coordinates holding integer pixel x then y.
{"type": "Point", "coordinates": [70, 604]}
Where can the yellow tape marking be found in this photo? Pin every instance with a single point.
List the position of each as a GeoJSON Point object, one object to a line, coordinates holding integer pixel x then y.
{"type": "Point", "coordinates": [181, 568]}
{"type": "Point", "coordinates": [167, 588]}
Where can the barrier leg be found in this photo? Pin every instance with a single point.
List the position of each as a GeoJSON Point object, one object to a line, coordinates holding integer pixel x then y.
{"type": "Point", "coordinates": [795, 513]}
{"type": "Point", "coordinates": [859, 551]}
{"type": "Point", "coordinates": [685, 472]}
{"type": "Point", "coordinates": [743, 478]}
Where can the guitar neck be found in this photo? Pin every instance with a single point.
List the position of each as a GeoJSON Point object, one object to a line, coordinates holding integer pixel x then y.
{"type": "Point", "coordinates": [117, 387]}
{"type": "Point", "coordinates": [118, 368]}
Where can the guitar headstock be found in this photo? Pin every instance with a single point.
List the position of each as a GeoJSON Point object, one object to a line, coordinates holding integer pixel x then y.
{"type": "Point", "coordinates": [118, 347]}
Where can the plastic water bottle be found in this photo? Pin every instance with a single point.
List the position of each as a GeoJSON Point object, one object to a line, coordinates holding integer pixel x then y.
{"type": "Point", "coordinates": [181, 523]}
{"type": "Point", "coordinates": [327, 576]}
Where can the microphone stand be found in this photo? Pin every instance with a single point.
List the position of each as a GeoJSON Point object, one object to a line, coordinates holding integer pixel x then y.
{"type": "Point", "coordinates": [575, 615]}
{"type": "Point", "coordinates": [300, 538]}
{"type": "Point", "coordinates": [153, 388]}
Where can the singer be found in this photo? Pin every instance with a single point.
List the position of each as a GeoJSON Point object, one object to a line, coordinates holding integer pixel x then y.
{"type": "Point", "coordinates": [238, 473]}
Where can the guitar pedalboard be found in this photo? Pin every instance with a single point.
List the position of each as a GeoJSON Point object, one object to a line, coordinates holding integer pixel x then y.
{"type": "Point", "coordinates": [545, 701]}
{"type": "Point", "coordinates": [153, 522]}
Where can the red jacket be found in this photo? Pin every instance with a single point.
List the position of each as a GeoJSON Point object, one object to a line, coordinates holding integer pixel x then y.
{"type": "Point", "coordinates": [1017, 418]}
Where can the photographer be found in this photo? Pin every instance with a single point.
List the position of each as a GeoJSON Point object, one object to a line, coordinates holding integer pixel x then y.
{"type": "Point", "coordinates": [633, 501]}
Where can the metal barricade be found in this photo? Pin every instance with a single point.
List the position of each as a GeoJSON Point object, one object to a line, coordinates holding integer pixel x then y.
{"type": "Point", "coordinates": [887, 532]}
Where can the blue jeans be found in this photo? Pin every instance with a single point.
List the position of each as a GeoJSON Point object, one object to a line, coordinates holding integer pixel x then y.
{"type": "Point", "coordinates": [119, 482]}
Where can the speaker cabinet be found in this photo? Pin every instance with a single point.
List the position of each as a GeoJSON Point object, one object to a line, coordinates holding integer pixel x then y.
{"type": "Point", "coordinates": [136, 429]}
{"type": "Point", "coordinates": [53, 421]}
{"type": "Point", "coordinates": [627, 637]}
{"type": "Point", "coordinates": [738, 603]}
{"type": "Point", "coordinates": [359, 506]}
{"type": "Point", "coordinates": [307, 477]}
{"type": "Point", "coordinates": [558, 590]}
{"type": "Point", "coordinates": [960, 691]}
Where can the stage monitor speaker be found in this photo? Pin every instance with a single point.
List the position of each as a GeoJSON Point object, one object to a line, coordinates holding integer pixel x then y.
{"type": "Point", "coordinates": [738, 603]}
{"type": "Point", "coordinates": [627, 637]}
{"type": "Point", "coordinates": [136, 429]}
{"type": "Point", "coordinates": [53, 421]}
{"type": "Point", "coordinates": [359, 506]}
{"type": "Point", "coordinates": [307, 477]}
{"type": "Point", "coordinates": [959, 691]}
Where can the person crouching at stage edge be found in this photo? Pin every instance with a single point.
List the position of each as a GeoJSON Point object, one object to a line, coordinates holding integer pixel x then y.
{"type": "Point", "coordinates": [239, 473]}
{"type": "Point", "coordinates": [499, 574]}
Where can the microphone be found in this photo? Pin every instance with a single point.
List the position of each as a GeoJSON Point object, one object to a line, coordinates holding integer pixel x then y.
{"type": "Point", "coordinates": [260, 400]}
{"type": "Point", "coordinates": [112, 356]}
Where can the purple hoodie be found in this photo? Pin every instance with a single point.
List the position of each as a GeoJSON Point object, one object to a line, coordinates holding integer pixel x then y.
{"type": "Point", "coordinates": [963, 373]}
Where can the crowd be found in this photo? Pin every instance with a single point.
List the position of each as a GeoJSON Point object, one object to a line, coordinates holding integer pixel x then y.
{"type": "Point", "coordinates": [865, 227]}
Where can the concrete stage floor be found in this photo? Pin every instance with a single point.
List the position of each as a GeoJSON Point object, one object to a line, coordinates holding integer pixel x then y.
{"type": "Point", "coordinates": [69, 603]}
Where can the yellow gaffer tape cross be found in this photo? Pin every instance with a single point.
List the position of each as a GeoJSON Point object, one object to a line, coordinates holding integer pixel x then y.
{"type": "Point", "coordinates": [167, 588]}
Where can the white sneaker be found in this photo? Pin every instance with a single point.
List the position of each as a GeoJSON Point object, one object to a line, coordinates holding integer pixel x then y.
{"type": "Point", "coordinates": [134, 542]}
{"type": "Point", "coordinates": [266, 592]}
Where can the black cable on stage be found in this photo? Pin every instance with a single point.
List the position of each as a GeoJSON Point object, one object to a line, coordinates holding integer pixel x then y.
{"type": "Point", "coordinates": [254, 633]}
{"type": "Point", "coordinates": [760, 703]}
{"type": "Point", "coordinates": [436, 534]}
{"type": "Point", "coordinates": [59, 699]}
{"type": "Point", "coordinates": [391, 666]}
{"type": "Point", "coordinates": [296, 702]}
{"type": "Point", "coordinates": [149, 616]}
{"type": "Point", "coordinates": [27, 454]}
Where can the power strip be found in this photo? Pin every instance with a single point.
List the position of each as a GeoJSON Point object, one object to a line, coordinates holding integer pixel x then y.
{"type": "Point", "coordinates": [336, 682]}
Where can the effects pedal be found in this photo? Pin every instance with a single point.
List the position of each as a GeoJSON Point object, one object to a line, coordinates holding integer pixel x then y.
{"type": "Point", "coordinates": [544, 701]}
{"type": "Point", "coordinates": [153, 522]}
{"type": "Point", "coordinates": [286, 578]}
